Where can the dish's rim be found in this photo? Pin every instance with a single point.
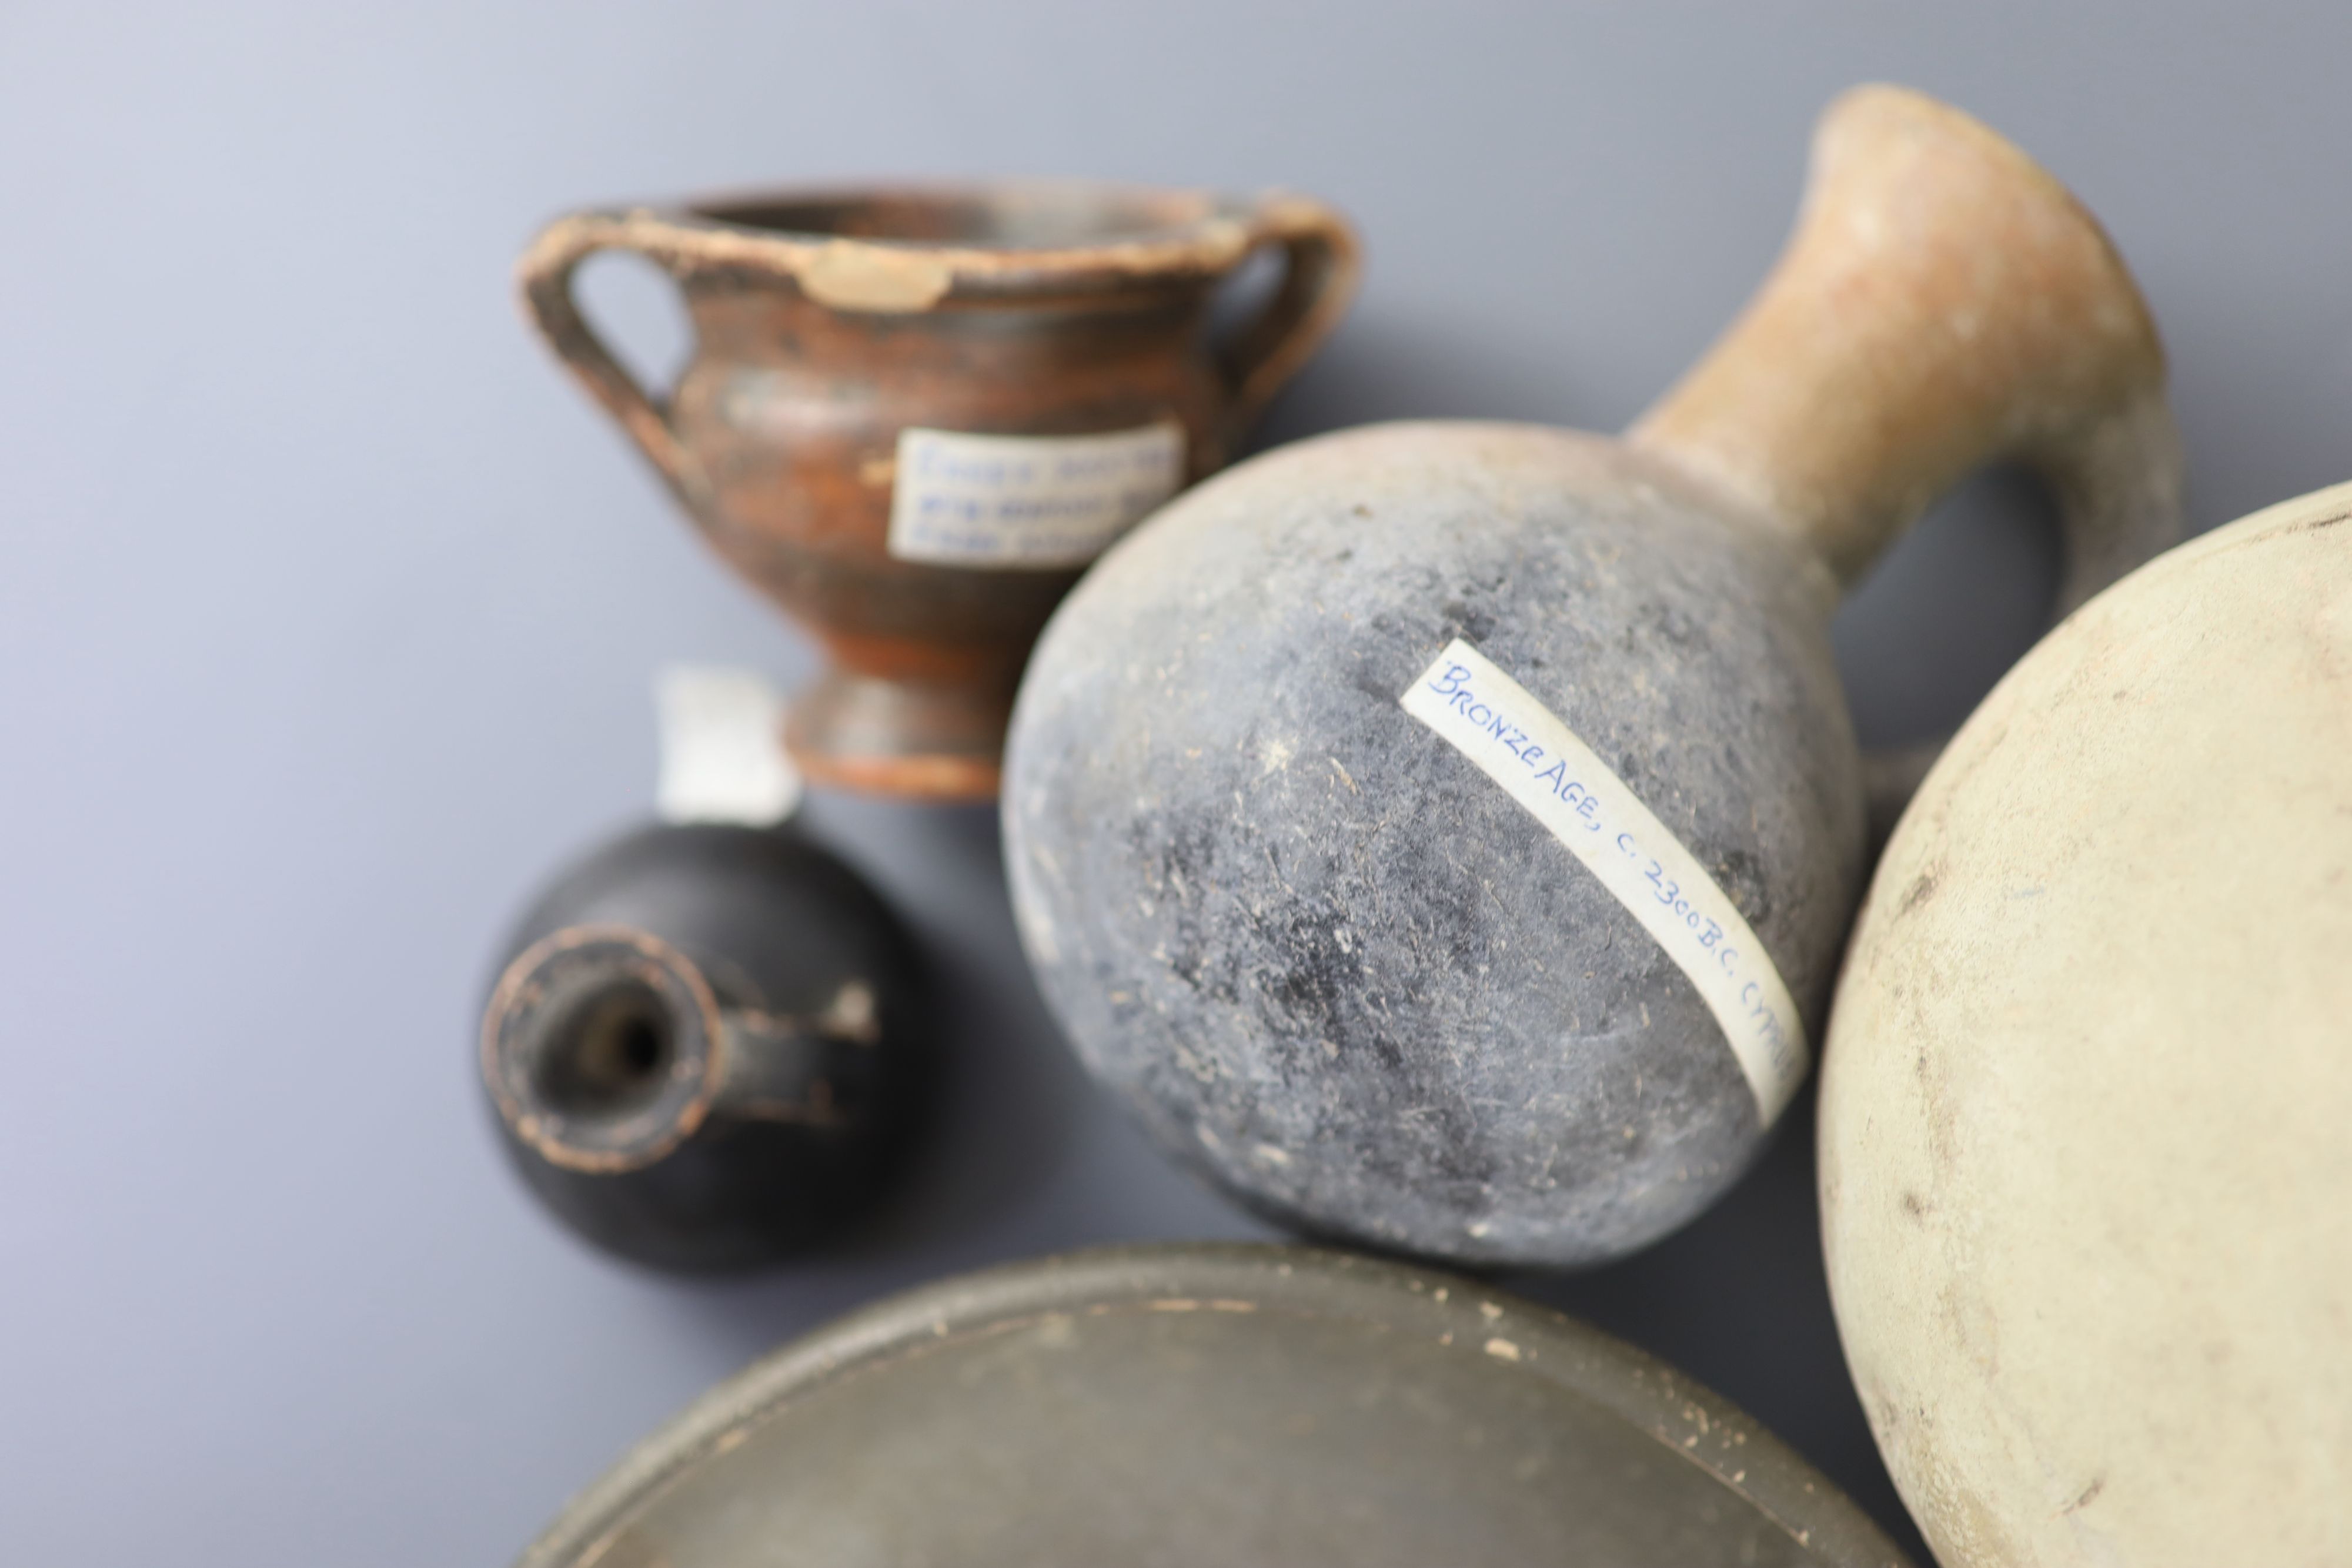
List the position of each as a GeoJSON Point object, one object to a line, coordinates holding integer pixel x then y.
{"type": "Point", "coordinates": [1682, 1416]}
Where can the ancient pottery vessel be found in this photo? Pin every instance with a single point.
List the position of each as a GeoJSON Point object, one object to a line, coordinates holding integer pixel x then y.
{"type": "Point", "coordinates": [708, 1047]}
{"type": "Point", "coordinates": [913, 415]}
{"type": "Point", "coordinates": [1192, 1404]}
{"type": "Point", "coordinates": [2084, 1171]}
{"type": "Point", "coordinates": [1443, 834]}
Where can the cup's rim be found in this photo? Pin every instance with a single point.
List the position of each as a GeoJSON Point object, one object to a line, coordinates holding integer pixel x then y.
{"type": "Point", "coordinates": [1198, 237]}
{"type": "Point", "coordinates": [1128, 212]}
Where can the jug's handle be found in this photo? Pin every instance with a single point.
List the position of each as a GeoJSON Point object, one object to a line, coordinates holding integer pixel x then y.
{"type": "Point", "coordinates": [1321, 262]}
{"type": "Point", "coordinates": [2118, 485]}
{"type": "Point", "coordinates": [1945, 303]}
{"type": "Point", "coordinates": [545, 275]}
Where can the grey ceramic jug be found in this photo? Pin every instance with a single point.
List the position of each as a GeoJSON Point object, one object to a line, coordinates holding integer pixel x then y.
{"type": "Point", "coordinates": [1442, 836]}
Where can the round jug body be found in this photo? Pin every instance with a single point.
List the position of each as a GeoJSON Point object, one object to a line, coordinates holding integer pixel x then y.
{"type": "Point", "coordinates": [1333, 964]}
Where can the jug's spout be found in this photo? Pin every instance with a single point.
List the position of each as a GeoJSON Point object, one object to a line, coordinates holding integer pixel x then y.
{"type": "Point", "coordinates": [1943, 303]}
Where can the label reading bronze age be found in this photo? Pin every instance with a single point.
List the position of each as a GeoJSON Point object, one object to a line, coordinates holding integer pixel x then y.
{"type": "Point", "coordinates": [1520, 743]}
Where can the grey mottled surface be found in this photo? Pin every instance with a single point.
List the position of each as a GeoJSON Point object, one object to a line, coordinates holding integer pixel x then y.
{"type": "Point", "coordinates": [1327, 961]}
{"type": "Point", "coordinates": [328, 608]}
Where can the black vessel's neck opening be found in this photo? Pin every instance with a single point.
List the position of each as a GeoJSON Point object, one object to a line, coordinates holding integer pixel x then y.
{"type": "Point", "coordinates": [608, 1053]}
{"type": "Point", "coordinates": [602, 1048]}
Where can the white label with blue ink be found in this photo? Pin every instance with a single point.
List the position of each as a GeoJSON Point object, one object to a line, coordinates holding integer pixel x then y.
{"type": "Point", "coordinates": [722, 748]}
{"type": "Point", "coordinates": [1518, 743]}
{"type": "Point", "coordinates": [1009, 502]}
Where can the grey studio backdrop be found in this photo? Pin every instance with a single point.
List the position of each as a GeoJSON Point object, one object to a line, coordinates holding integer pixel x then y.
{"type": "Point", "coordinates": [330, 608]}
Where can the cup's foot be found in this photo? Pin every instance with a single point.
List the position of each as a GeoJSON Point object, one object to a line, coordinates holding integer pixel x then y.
{"type": "Point", "coordinates": [917, 739]}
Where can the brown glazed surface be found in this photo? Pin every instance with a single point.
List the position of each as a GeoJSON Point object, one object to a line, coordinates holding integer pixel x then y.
{"type": "Point", "coordinates": [827, 323]}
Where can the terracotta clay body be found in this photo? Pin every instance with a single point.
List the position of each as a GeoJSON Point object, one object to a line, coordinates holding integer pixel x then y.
{"type": "Point", "coordinates": [1323, 954]}
{"type": "Point", "coordinates": [849, 347]}
{"type": "Point", "coordinates": [2083, 1168]}
{"type": "Point", "coordinates": [1178, 1406]}
{"type": "Point", "coordinates": [707, 1047]}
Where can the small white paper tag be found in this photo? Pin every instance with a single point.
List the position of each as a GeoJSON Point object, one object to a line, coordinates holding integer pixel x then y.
{"type": "Point", "coordinates": [1518, 743]}
{"type": "Point", "coordinates": [1034, 501]}
{"type": "Point", "coordinates": [722, 748]}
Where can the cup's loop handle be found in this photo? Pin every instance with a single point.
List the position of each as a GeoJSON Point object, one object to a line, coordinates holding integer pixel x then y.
{"type": "Point", "coordinates": [545, 276]}
{"type": "Point", "coordinates": [2117, 484]}
{"type": "Point", "coordinates": [1321, 262]}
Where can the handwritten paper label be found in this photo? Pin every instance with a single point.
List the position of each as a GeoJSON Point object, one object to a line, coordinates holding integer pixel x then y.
{"type": "Point", "coordinates": [1516, 741]}
{"type": "Point", "coordinates": [722, 748]}
{"type": "Point", "coordinates": [1039, 501]}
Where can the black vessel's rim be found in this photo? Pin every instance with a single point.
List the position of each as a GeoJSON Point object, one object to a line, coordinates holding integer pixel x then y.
{"type": "Point", "coordinates": [600, 1145]}
{"type": "Point", "coordinates": [1683, 1418]}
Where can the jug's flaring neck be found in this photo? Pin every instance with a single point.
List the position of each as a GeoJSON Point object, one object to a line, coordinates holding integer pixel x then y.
{"type": "Point", "coordinates": [904, 249]}
{"type": "Point", "coordinates": [1944, 303]}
